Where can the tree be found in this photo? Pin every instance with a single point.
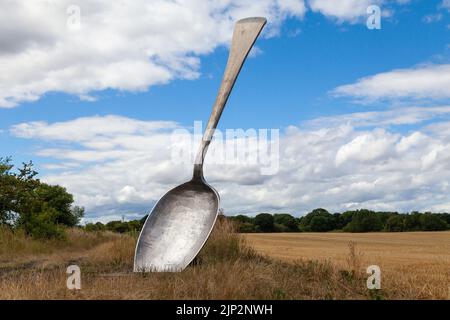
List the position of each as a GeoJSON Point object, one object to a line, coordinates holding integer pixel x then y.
{"type": "Point", "coordinates": [432, 222]}
{"type": "Point", "coordinates": [317, 220]}
{"type": "Point", "coordinates": [98, 226]}
{"type": "Point", "coordinates": [286, 220]}
{"type": "Point", "coordinates": [244, 224]}
{"type": "Point", "coordinates": [341, 220]}
{"type": "Point", "coordinates": [265, 222]}
{"type": "Point", "coordinates": [58, 198]}
{"type": "Point", "coordinates": [364, 221]}
{"type": "Point", "coordinates": [7, 191]}
{"type": "Point", "coordinates": [412, 221]}
{"type": "Point", "coordinates": [247, 227]}
{"type": "Point", "coordinates": [134, 225]}
{"type": "Point", "coordinates": [320, 223]}
{"type": "Point", "coordinates": [39, 209]}
{"type": "Point", "coordinates": [117, 226]}
{"type": "Point", "coordinates": [15, 190]}
{"type": "Point", "coordinates": [240, 218]}
{"type": "Point", "coordinates": [445, 217]}
{"type": "Point", "coordinates": [42, 225]}
{"type": "Point", "coordinates": [395, 223]}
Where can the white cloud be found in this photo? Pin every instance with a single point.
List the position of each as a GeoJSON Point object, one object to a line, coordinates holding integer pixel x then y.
{"type": "Point", "coordinates": [423, 82]}
{"type": "Point", "coordinates": [394, 116]}
{"type": "Point", "coordinates": [446, 4]}
{"type": "Point", "coordinates": [132, 46]}
{"type": "Point", "coordinates": [338, 166]}
{"type": "Point", "coordinates": [351, 11]}
{"type": "Point", "coordinates": [119, 46]}
{"type": "Point", "coordinates": [342, 10]}
{"type": "Point", "coordinates": [367, 148]}
{"type": "Point", "coordinates": [431, 18]}
{"type": "Point", "coordinates": [440, 129]}
{"type": "Point", "coordinates": [87, 128]}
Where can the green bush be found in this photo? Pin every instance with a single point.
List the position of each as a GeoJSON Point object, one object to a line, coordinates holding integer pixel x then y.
{"type": "Point", "coordinates": [95, 226]}
{"type": "Point", "coordinates": [43, 225]}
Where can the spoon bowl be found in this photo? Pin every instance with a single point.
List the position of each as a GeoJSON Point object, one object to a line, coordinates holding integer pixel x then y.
{"type": "Point", "coordinates": [178, 227]}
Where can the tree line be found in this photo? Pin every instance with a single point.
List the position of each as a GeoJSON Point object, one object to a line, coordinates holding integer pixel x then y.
{"type": "Point", "coordinates": [44, 211]}
{"type": "Point", "coordinates": [318, 220]}
{"type": "Point", "coordinates": [362, 220]}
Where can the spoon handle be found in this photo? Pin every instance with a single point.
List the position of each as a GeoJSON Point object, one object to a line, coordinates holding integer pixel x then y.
{"type": "Point", "coordinates": [245, 33]}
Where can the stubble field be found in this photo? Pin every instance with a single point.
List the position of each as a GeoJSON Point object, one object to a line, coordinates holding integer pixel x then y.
{"type": "Point", "coordinates": [412, 264]}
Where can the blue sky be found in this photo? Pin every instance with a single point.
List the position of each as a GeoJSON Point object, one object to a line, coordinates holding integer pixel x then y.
{"type": "Point", "coordinates": [305, 56]}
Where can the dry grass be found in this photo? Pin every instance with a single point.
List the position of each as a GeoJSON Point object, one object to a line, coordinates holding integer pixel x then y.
{"type": "Point", "coordinates": [414, 265]}
{"type": "Point", "coordinates": [226, 268]}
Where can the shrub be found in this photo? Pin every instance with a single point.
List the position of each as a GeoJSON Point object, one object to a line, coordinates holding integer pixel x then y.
{"type": "Point", "coordinates": [42, 225]}
{"type": "Point", "coordinates": [118, 226]}
{"type": "Point", "coordinates": [95, 227]}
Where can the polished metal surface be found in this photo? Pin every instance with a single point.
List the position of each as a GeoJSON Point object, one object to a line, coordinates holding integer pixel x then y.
{"type": "Point", "coordinates": [181, 221]}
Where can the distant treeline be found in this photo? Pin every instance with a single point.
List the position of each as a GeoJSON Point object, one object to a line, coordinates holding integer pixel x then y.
{"type": "Point", "coordinates": [117, 226]}
{"type": "Point", "coordinates": [318, 220]}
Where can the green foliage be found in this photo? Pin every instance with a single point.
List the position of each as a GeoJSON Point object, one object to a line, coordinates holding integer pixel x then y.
{"type": "Point", "coordinates": [116, 226]}
{"type": "Point", "coordinates": [42, 224]}
{"type": "Point", "coordinates": [248, 227]}
{"type": "Point", "coordinates": [265, 222]}
{"type": "Point", "coordinates": [341, 220]}
{"type": "Point", "coordinates": [432, 222]}
{"type": "Point", "coordinates": [280, 228]}
{"type": "Point", "coordinates": [41, 210]}
{"type": "Point", "coordinates": [242, 219]}
{"type": "Point", "coordinates": [395, 223]}
{"type": "Point", "coordinates": [16, 190]}
{"type": "Point", "coordinates": [95, 226]}
{"type": "Point", "coordinates": [364, 221]}
{"type": "Point", "coordinates": [318, 220]}
{"type": "Point", "coordinates": [321, 224]}
{"type": "Point", "coordinates": [287, 222]}
{"type": "Point", "coordinates": [412, 221]}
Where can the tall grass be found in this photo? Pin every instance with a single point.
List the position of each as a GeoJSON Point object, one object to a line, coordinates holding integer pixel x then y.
{"type": "Point", "coordinates": [15, 243]}
{"type": "Point", "coordinates": [226, 268]}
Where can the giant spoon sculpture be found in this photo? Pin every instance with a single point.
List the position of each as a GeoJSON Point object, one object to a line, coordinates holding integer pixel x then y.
{"type": "Point", "coordinates": [181, 221]}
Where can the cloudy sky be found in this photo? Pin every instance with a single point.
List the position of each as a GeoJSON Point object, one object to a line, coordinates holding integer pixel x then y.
{"type": "Point", "coordinates": [363, 114]}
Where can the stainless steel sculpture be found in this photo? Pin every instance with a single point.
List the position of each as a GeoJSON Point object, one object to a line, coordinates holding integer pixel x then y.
{"type": "Point", "coordinates": [183, 218]}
